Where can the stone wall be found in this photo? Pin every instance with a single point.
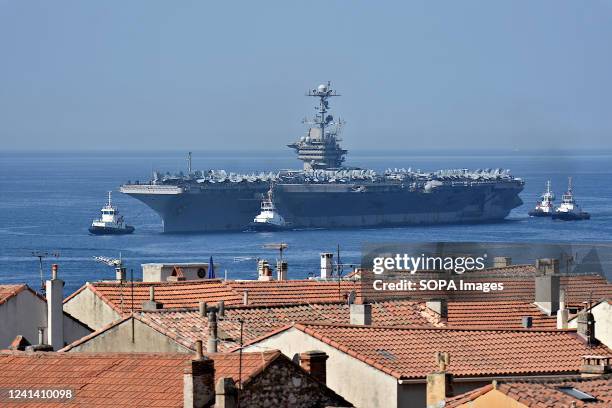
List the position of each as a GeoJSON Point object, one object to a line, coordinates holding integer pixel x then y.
{"type": "Point", "coordinates": [284, 384]}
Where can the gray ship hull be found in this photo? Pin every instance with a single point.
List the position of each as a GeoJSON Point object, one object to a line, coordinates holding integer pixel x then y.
{"type": "Point", "coordinates": [232, 207]}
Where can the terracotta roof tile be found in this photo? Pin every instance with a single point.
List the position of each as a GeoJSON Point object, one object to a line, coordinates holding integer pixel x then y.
{"type": "Point", "coordinates": [546, 394]}
{"type": "Point", "coordinates": [116, 379]}
{"type": "Point", "coordinates": [504, 314]}
{"type": "Point", "coordinates": [186, 326]}
{"type": "Point", "coordinates": [8, 291]}
{"type": "Point", "coordinates": [407, 352]}
{"type": "Point", "coordinates": [186, 294]}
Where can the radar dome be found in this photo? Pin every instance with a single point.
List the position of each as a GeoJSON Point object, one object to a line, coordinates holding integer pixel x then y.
{"type": "Point", "coordinates": [322, 88]}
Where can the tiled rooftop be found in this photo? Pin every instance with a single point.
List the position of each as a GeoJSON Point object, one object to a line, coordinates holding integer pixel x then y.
{"type": "Point", "coordinates": [187, 294]}
{"type": "Point", "coordinates": [546, 394]}
{"type": "Point", "coordinates": [505, 314]}
{"type": "Point", "coordinates": [186, 325]}
{"type": "Point", "coordinates": [116, 379]}
{"type": "Point", "coordinates": [409, 352]}
{"type": "Point", "coordinates": [8, 291]}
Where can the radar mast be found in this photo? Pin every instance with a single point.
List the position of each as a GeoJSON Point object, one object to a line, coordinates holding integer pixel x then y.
{"type": "Point", "coordinates": [319, 149]}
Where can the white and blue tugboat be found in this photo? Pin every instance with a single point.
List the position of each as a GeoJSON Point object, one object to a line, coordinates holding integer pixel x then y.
{"type": "Point", "coordinates": [268, 219]}
{"type": "Point", "coordinates": [110, 223]}
{"type": "Point", "coordinates": [544, 207]}
{"type": "Point", "coordinates": [569, 210]}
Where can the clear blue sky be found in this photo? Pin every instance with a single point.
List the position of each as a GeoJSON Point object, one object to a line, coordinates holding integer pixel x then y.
{"type": "Point", "coordinates": [227, 74]}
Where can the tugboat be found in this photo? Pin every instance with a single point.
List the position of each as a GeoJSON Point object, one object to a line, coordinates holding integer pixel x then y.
{"type": "Point", "coordinates": [268, 219]}
{"type": "Point", "coordinates": [569, 210]}
{"type": "Point", "coordinates": [545, 207]}
{"type": "Point", "coordinates": [110, 223]}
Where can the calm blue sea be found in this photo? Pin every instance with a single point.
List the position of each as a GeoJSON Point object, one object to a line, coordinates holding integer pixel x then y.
{"type": "Point", "coordinates": [47, 201]}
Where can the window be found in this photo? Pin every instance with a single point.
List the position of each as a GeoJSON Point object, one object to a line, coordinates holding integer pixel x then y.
{"type": "Point", "coordinates": [576, 393]}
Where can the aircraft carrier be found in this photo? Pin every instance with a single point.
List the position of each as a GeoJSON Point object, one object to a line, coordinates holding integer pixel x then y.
{"type": "Point", "coordinates": [324, 194]}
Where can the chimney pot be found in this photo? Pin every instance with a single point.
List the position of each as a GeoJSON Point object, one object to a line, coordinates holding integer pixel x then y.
{"type": "Point", "coordinates": [314, 363]}
{"type": "Point", "coordinates": [211, 345]}
{"type": "Point", "coordinates": [151, 304]}
{"type": "Point", "coordinates": [41, 335]}
{"type": "Point", "coordinates": [595, 365]}
{"type": "Point", "coordinates": [221, 308]}
{"type": "Point", "coordinates": [54, 269]}
{"type": "Point", "coordinates": [198, 346]}
{"type": "Point", "coordinates": [202, 308]}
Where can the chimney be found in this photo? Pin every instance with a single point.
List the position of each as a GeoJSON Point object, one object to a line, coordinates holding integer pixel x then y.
{"type": "Point", "coordinates": [151, 304]}
{"type": "Point", "coordinates": [547, 285]}
{"type": "Point", "coordinates": [202, 309]}
{"type": "Point", "coordinates": [221, 309]}
{"type": "Point", "coordinates": [593, 366]}
{"type": "Point", "coordinates": [439, 306]}
{"type": "Point", "coordinates": [245, 297]}
{"type": "Point", "coordinates": [439, 383]}
{"type": "Point", "coordinates": [327, 268]}
{"type": "Point", "coordinates": [281, 270]}
{"type": "Point", "coordinates": [562, 299]}
{"type": "Point", "coordinates": [226, 395]}
{"type": "Point", "coordinates": [120, 274]}
{"type": "Point", "coordinates": [211, 345]}
{"type": "Point", "coordinates": [360, 312]}
{"type": "Point", "coordinates": [501, 261]}
{"type": "Point", "coordinates": [41, 346]}
{"type": "Point", "coordinates": [562, 319]}
{"type": "Point", "coordinates": [263, 270]}
{"type": "Point", "coordinates": [585, 327]}
{"type": "Point", "coordinates": [199, 380]}
{"type": "Point", "coordinates": [55, 310]}
{"type": "Point", "coordinates": [527, 322]}
{"type": "Point", "coordinates": [314, 363]}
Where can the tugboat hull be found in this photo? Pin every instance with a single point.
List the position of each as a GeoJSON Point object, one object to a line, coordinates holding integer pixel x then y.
{"type": "Point", "coordinates": [266, 227]}
{"type": "Point", "coordinates": [571, 216]}
{"type": "Point", "coordinates": [539, 214]}
{"type": "Point", "coordinates": [111, 231]}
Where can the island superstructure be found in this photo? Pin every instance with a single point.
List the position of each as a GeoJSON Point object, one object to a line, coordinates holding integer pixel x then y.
{"type": "Point", "coordinates": [326, 194]}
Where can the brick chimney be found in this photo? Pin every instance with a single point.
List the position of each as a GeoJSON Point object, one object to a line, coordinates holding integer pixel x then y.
{"type": "Point", "coordinates": [547, 285]}
{"type": "Point", "coordinates": [501, 261]}
{"type": "Point", "coordinates": [314, 362]}
{"type": "Point", "coordinates": [327, 267]}
{"type": "Point", "coordinates": [199, 380]}
{"type": "Point", "coordinates": [593, 366]}
{"type": "Point", "coordinates": [439, 383]}
{"type": "Point", "coordinates": [226, 394]}
{"type": "Point", "coordinates": [151, 304]}
{"type": "Point", "coordinates": [360, 312]}
{"type": "Point", "coordinates": [55, 310]}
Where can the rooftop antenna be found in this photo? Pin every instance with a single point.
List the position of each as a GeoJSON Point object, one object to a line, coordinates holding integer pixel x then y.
{"type": "Point", "coordinates": [281, 246]}
{"type": "Point", "coordinates": [41, 255]}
